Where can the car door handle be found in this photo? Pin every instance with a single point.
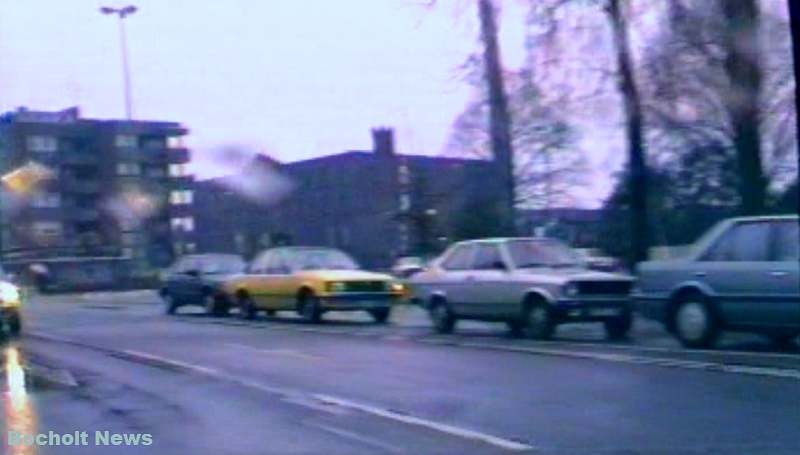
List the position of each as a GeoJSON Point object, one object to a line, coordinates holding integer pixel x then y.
{"type": "Point", "coordinates": [700, 274]}
{"type": "Point", "coordinates": [778, 273]}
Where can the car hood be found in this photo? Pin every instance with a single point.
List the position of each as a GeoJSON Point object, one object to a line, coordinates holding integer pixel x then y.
{"type": "Point", "coordinates": [344, 275]}
{"type": "Point", "coordinates": [563, 275]}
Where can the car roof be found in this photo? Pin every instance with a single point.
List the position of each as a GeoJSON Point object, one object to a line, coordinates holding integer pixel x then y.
{"type": "Point", "coordinates": [495, 240]}
{"type": "Point", "coordinates": [764, 218]}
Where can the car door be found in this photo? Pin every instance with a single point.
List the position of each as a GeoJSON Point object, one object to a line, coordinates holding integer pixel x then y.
{"type": "Point", "coordinates": [736, 267]}
{"type": "Point", "coordinates": [193, 287]}
{"type": "Point", "coordinates": [280, 282]}
{"type": "Point", "coordinates": [257, 281]}
{"type": "Point", "coordinates": [181, 279]}
{"type": "Point", "coordinates": [783, 277]}
{"type": "Point", "coordinates": [486, 285]}
{"type": "Point", "coordinates": [456, 278]}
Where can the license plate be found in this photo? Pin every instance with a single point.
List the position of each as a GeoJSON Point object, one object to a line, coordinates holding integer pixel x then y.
{"type": "Point", "coordinates": [603, 312]}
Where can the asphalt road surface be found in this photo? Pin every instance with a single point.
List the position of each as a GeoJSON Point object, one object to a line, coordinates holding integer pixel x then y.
{"type": "Point", "coordinates": [202, 385]}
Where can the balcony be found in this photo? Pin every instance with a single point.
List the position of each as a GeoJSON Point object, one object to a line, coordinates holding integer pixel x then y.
{"type": "Point", "coordinates": [177, 155]}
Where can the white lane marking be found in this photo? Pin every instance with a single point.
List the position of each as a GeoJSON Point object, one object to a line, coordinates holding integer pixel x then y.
{"type": "Point", "coordinates": [789, 373]}
{"type": "Point", "coordinates": [276, 352]}
{"type": "Point", "coordinates": [170, 362]}
{"type": "Point", "coordinates": [768, 355]}
{"type": "Point", "coordinates": [366, 440]}
{"type": "Point", "coordinates": [430, 424]}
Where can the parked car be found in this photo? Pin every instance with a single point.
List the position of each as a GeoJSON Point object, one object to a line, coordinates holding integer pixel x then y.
{"type": "Point", "coordinates": [10, 302]}
{"type": "Point", "coordinates": [195, 280]}
{"type": "Point", "coordinates": [311, 281]}
{"type": "Point", "coordinates": [532, 284]}
{"type": "Point", "coordinates": [741, 276]}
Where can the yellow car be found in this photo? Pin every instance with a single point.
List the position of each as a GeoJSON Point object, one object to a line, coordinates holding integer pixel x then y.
{"type": "Point", "coordinates": [10, 301]}
{"type": "Point", "coordinates": [310, 281]}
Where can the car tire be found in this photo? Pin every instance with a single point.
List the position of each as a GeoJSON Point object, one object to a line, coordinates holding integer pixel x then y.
{"type": "Point", "coordinates": [539, 321]}
{"type": "Point", "coordinates": [443, 319]}
{"type": "Point", "coordinates": [170, 304]}
{"type": "Point", "coordinates": [215, 305]}
{"type": "Point", "coordinates": [381, 315]}
{"type": "Point", "coordinates": [271, 313]}
{"type": "Point", "coordinates": [695, 322]}
{"type": "Point", "coordinates": [247, 308]}
{"type": "Point", "coordinates": [309, 309]}
{"type": "Point", "coordinates": [516, 328]}
{"type": "Point", "coordinates": [619, 327]}
{"type": "Point", "coordinates": [14, 324]}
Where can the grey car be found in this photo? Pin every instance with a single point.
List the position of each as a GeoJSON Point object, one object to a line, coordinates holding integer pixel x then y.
{"type": "Point", "coordinates": [741, 276]}
{"type": "Point", "coordinates": [531, 284]}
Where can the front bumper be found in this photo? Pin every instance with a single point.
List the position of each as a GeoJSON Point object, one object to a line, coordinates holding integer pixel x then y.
{"type": "Point", "coordinates": [589, 309]}
{"type": "Point", "coordinates": [356, 302]}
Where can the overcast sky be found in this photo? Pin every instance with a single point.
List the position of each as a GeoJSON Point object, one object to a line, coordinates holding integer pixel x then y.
{"type": "Point", "coordinates": [293, 79]}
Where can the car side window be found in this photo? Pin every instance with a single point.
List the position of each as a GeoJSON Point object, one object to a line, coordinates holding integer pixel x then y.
{"type": "Point", "coordinates": [787, 241]}
{"type": "Point", "coordinates": [487, 257]}
{"type": "Point", "coordinates": [261, 263]}
{"type": "Point", "coordinates": [745, 242]}
{"type": "Point", "coordinates": [460, 258]}
{"type": "Point", "coordinates": [277, 264]}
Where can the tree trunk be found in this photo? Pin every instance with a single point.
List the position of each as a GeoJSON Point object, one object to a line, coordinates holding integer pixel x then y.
{"type": "Point", "coordinates": [794, 19]}
{"type": "Point", "coordinates": [499, 117]}
{"type": "Point", "coordinates": [744, 73]}
{"type": "Point", "coordinates": [640, 242]}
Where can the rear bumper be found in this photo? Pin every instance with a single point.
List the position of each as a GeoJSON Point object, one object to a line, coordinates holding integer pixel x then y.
{"type": "Point", "coordinates": [593, 309]}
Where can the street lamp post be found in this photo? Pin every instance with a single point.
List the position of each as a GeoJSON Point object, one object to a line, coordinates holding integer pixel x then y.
{"type": "Point", "coordinates": [122, 13]}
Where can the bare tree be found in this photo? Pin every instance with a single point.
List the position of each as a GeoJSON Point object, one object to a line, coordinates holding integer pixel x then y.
{"type": "Point", "coordinates": [499, 117]}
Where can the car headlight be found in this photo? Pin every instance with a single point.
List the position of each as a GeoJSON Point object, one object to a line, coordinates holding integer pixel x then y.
{"type": "Point", "coordinates": [570, 290]}
{"type": "Point", "coordinates": [397, 288]}
{"type": "Point", "coordinates": [9, 292]}
{"type": "Point", "coordinates": [336, 286]}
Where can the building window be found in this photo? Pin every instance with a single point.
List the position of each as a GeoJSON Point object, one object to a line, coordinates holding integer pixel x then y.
{"type": "Point", "coordinates": [127, 252]}
{"type": "Point", "coordinates": [190, 248]}
{"type": "Point", "coordinates": [405, 202]}
{"type": "Point", "coordinates": [156, 172]}
{"type": "Point", "coordinates": [181, 197]}
{"type": "Point", "coordinates": [403, 174]}
{"type": "Point", "coordinates": [47, 232]}
{"type": "Point", "coordinates": [128, 169]}
{"type": "Point", "coordinates": [129, 239]}
{"type": "Point", "coordinates": [178, 170]}
{"type": "Point", "coordinates": [153, 143]}
{"type": "Point", "coordinates": [185, 224]}
{"type": "Point", "coordinates": [125, 141]}
{"type": "Point", "coordinates": [42, 143]}
{"type": "Point", "coordinates": [175, 142]}
{"type": "Point", "coordinates": [46, 200]}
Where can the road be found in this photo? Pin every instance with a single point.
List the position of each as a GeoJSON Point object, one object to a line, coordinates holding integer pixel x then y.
{"type": "Point", "coordinates": [222, 386]}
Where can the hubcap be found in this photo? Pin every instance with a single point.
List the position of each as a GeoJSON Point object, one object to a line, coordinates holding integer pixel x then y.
{"type": "Point", "coordinates": [439, 314]}
{"type": "Point", "coordinates": [692, 320]}
{"type": "Point", "coordinates": [538, 316]}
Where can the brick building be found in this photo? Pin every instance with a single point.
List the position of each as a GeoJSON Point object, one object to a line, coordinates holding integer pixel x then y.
{"type": "Point", "coordinates": [375, 204]}
{"type": "Point", "coordinates": [111, 188]}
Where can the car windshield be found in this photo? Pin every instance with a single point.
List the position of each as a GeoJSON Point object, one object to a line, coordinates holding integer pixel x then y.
{"type": "Point", "coordinates": [223, 264]}
{"type": "Point", "coordinates": [321, 260]}
{"type": "Point", "coordinates": [542, 253]}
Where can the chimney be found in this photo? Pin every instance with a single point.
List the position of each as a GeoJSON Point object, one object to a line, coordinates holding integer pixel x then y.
{"type": "Point", "coordinates": [383, 141]}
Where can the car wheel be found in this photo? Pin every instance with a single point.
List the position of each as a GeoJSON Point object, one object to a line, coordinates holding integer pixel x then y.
{"type": "Point", "coordinates": [380, 315]}
{"type": "Point", "coordinates": [170, 304]}
{"type": "Point", "coordinates": [309, 309]}
{"type": "Point", "coordinates": [247, 308]}
{"type": "Point", "coordinates": [618, 328]}
{"type": "Point", "coordinates": [271, 313]}
{"type": "Point", "coordinates": [442, 317]}
{"type": "Point", "coordinates": [215, 305]}
{"type": "Point", "coordinates": [540, 324]}
{"type": "Point", "coordinates": [14, 324]}
{"type": "Point", "coordinates": [695, 323]}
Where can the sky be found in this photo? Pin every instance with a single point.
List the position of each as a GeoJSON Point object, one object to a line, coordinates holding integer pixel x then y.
{"type": "Point", "coordinates": [292, 79]}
